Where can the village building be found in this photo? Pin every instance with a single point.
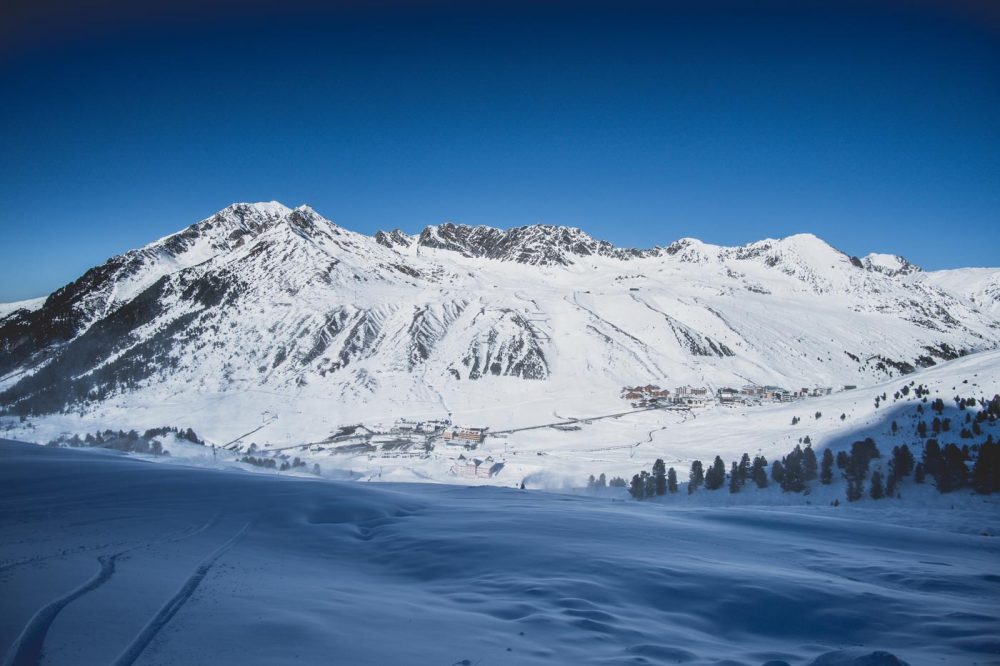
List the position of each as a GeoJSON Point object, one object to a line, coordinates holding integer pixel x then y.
{"type": "Point", "coordinates": [463, 434]}
{"type": "Point", "coordinates": [403, 427]}
{"type": "Point", "coordinates": [433, 426]}
{"type": "Point", "coordinates": [643, 396]}
{"type": "Point", "coordinates": [777, 393]}
{"type": "Point", "coordinates": [476, 468]}
{"type": "Point", "coordinates": [691, 395]}
{"type": "Point", "coordinates": [727, 396]}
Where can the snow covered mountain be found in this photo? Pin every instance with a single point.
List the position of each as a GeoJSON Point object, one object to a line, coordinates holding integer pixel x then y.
{"type": "Point", "coordinates": [261, 307]}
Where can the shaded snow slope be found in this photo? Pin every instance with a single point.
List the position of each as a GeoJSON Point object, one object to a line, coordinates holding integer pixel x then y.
{"type": "Point", "coordinates": [111, 560]}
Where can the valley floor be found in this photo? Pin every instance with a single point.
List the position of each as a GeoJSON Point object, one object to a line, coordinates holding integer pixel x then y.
{"type": "Point", "coordinates": [106, 559]}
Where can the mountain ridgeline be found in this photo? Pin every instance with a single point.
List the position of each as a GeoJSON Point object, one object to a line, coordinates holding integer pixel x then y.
{"type": "Point", "coordinates": [265, 297]}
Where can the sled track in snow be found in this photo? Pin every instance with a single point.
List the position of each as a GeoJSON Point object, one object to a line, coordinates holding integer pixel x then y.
{"type": "Point", "coordinates": [27, 648]}
{"type": "Point", "coordinates": [169, 609]}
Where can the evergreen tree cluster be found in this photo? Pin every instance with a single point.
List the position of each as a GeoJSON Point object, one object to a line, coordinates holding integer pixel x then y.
{"type": "Point", "coordinates": [947, 466]}
{"type": "Point", "coordinates": [130, 441]}
{"type": "Point", "coordinates": [715, 477]}
{"type": "Point", "coordinates": [656, 483]}
{"type": "Point", "coordinates": [900, 466]}
{"type": "Point", "coordinates": [266, 463]}
{"type": "Point", "coordinates": [855, 466]}
{"type": "Point", "coordinates": [599, 482]}
{"type": "Point", "coordinates": [950, 467]}
{"type": "Point", "coordinates": [272, 463]}
{"type": "Point", "coordinates": [603, 481]}
{"type": "Point", "coordinates": [986, 471]}
{"type": "Point", "coordinates": [794, 471]}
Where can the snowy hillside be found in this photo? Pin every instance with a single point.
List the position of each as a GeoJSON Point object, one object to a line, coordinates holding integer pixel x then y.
{"type": "Point", "coordinates": [276, 321]}
{"type": "Point", "coordinates": [109, 560]}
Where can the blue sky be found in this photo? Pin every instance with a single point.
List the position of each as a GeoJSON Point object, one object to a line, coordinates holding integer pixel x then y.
{"type": "Point", "coordinates": [873, 125]}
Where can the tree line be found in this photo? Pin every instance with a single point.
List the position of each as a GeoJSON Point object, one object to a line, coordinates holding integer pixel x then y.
{"type": "Point", "coordinates": [948, 467]}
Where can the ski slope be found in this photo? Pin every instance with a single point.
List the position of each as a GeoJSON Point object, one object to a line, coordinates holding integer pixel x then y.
{"type": "Point", "coordinates": [546, 457]}
{"type": "Point", "coordinates": [112, 560]}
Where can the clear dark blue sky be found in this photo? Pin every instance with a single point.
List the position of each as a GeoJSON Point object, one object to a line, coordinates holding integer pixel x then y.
{"type": "Point", "coordinates": [875, 125]}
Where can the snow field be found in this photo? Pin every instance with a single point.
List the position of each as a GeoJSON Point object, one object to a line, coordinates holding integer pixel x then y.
{"type": "Point", "coordinates": [241, 568]}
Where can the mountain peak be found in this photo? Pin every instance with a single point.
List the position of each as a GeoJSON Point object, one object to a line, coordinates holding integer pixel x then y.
{"type": "Point", "coordinates": [536, 244]}
{"type": "Point", "coordinates": [889, 264]}
{"type": "Point", "coordinates": [260, 207]}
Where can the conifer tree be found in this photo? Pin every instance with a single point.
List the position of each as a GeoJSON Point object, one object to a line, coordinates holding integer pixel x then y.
{"type": "Point", "coordinates": [954, 474]}
{"type": "Point", "coordinates": [809, 464]}
{"type": "Point", "coordinates": [602, 481]}
{"type": "Point", "coordinates": [696, 476]}
{"type": "Point", "coordinates": [637, 488]}
{"type": "Point", "coordinates": [734, 478]}
{"type": "Point", "coordinates": [862, 453]}
{"type": "Point", "coordinates": [672, 480]}
{"type": "Point", "coordinates": [876, 491]}
{"type": "Point", "coordinates": [744, 468]}
{"type": "Point", "coordinates": [904, 461]}
{"type": "Point", "coordinates": [759, 471]}
{"type": "Point", "coordinates": [826, 469]}
{"type": "Point", "coordinates": [843, 459]}
{"type": "Point", "coordinates": [793, 472]}
{"type": "Point", "coordinates": [715, 477]}
{"type": "Point", "coordinates": [778, 473]}
{"type": "Point", "coordinates": [648, 483]}
{"type": "Point", "coordinates": [660, 477]}
{"type": "Point", "coordinates": [855, 489]}
{"type": "Point", "coordinates": [986, 471]}
{"type": "Point", "coordinates": [933, 460]}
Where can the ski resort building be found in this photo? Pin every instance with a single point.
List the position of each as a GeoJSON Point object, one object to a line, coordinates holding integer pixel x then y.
{"type": "Point", "coordinates": [777, 394]}
{"type": "Point", "coordinates": [692, 396]}
{"type": "Point", "coordinates": [403, 427]}
{"type": "Point", "coordinates": [462, 434]}
{"type": "Point", "coordinates": [433, 426]}
{"type": "Point", "coordinates": [644, 396]}
{"type": "Point", "coordinates": [727, 396]}
{"type": "Point", "coordinates": [476, 468]}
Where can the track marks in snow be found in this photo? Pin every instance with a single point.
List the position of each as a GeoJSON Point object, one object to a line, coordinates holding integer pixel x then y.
{"type": "Point", "coordinates": [168, 610]}
{"type": "Point", "coordinates": [27, 649]}
{"type": "Point", "coordinates": [647, 363]}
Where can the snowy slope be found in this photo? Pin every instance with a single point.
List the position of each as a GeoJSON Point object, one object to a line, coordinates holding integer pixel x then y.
{"type": "Point", "coordinates": [262, 314]}
{"type": "Point", "coordinates": [29, 305]}
{"type": "Point", "coordinates": [111, 560]}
